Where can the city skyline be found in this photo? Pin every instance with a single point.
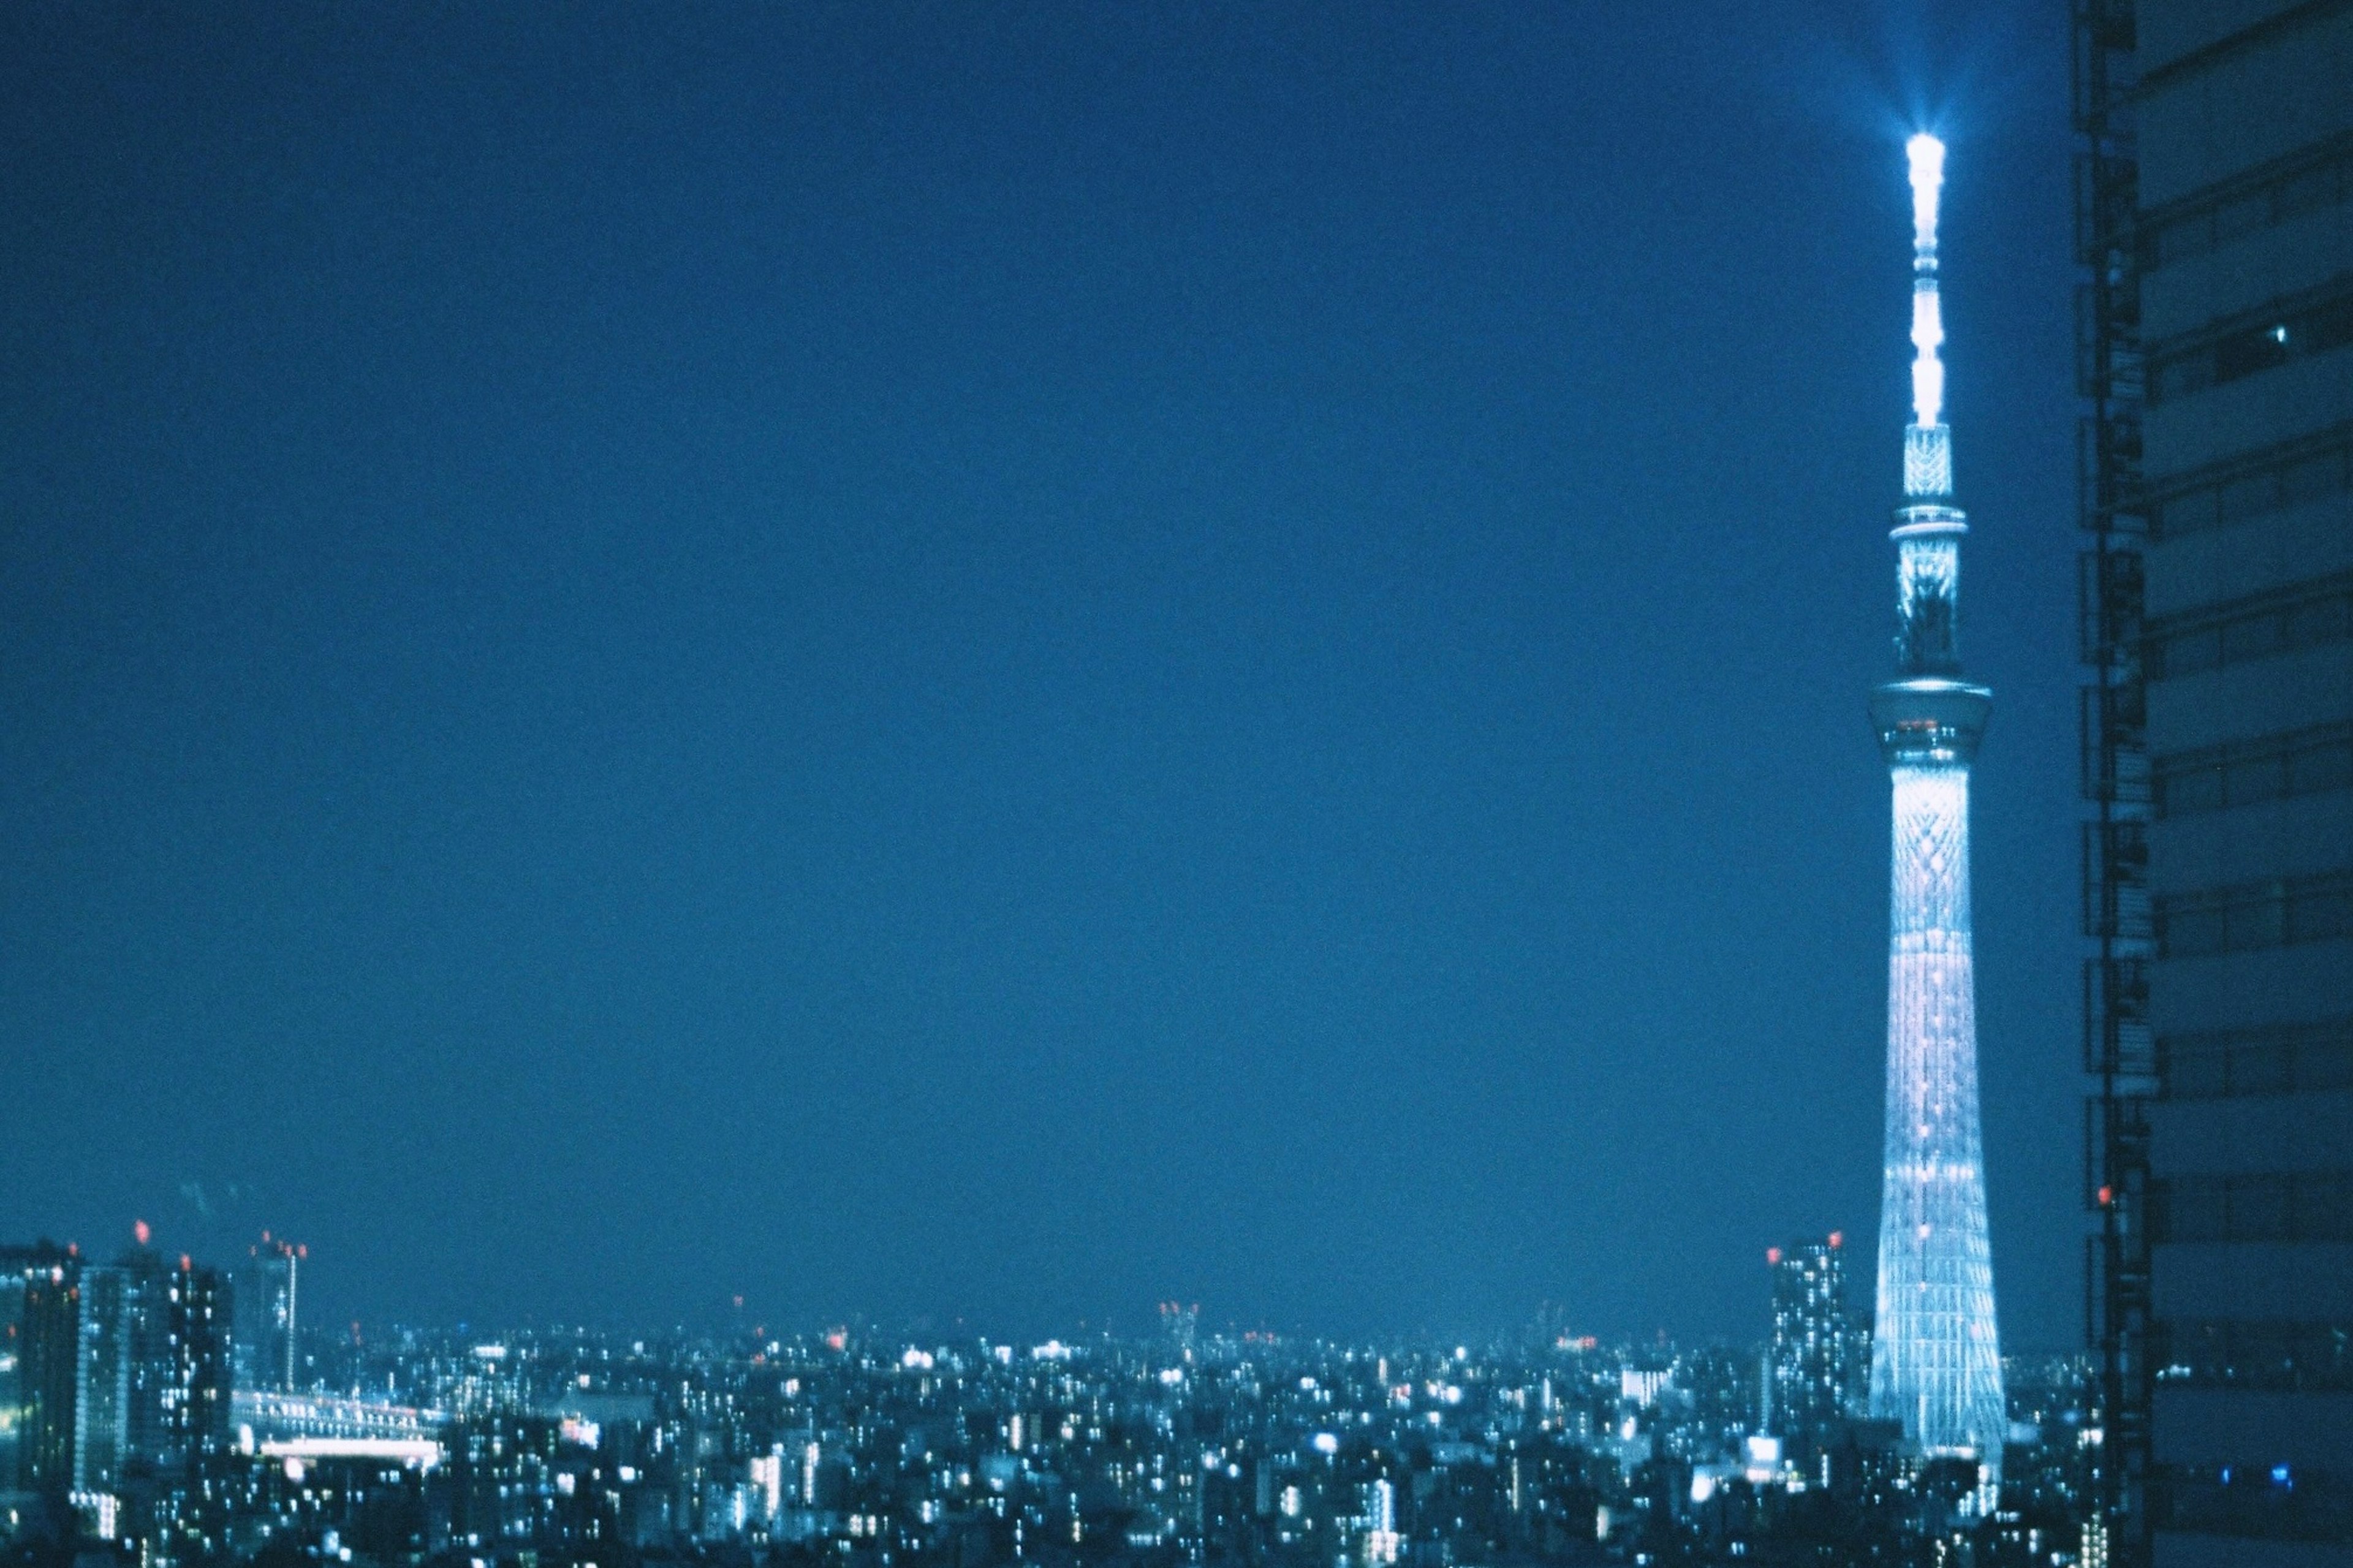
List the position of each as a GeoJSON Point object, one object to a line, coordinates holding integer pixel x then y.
{"type": "Point", "coordinates": [147, 1428]}
{"type": "Point", "coordinates": [1012, 673]}
{"type": "Point", "coordinates": [877, 785]}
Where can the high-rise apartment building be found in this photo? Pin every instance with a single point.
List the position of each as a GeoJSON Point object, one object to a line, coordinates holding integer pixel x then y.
{"type": "Point", "coordinates": [2216, 230]}
{"type": "Point", "coordinates": [41, 1305]}
{"type": "Point", "coordinates": [103, 1384]}
{"type": "Point", "coordinates": [124, 1362]}
{"type": "Point", "coordinates": [191, 1517]}
{"type": "Point", "coordinates": [197, 1317]}
{"type": "Point", "coordinates": [1935, 1359]}
{"type": "Point", "coordinates": [1811, 1364]}
{"type": "Point", "coordinates": [267, 1296]}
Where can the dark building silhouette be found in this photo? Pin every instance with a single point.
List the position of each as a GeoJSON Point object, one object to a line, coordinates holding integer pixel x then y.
{"type": "Point", "coordinates": [2217, 233]}
{"type": "Point", "coordinates": [40, 1294]}
{"type": "Point", "coordinates": [267, 1294]}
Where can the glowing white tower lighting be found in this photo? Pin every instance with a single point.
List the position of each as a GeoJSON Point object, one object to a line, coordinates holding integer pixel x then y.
{"type": "Point", "coordinates": [1927, 156]}
{"type": "Point", "coordinates": [1935, 1359]}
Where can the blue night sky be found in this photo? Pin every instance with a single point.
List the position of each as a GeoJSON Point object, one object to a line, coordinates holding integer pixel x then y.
{"type": "Point", "coordinates": [1004, 661]}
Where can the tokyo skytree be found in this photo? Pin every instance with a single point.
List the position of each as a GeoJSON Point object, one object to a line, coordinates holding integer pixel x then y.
{"type": "Point", "coordinates": [1935, 1363]}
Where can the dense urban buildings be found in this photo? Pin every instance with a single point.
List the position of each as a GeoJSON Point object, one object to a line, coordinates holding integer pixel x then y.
{"type": "Point", "coordinates": [161, 1411]}
{"type": "Point", "coordinates": [409, 1447]}
{"type": "Point", "coordinates": [1935, 1362]}
{"type": "Point", "coordinates": [2218, 237]}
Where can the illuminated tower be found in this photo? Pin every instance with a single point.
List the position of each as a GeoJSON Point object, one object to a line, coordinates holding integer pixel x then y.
{"type": "Point", "coordinates": [1936, 1364]}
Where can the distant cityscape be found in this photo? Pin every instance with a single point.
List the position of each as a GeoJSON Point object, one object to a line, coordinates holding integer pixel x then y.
{"type": "Point", "coordinates": [160, 1409]}
{"type": "Point", "coordinates": [169, 1412]}
{"type": "Point", "coordinates": [178, 1414]}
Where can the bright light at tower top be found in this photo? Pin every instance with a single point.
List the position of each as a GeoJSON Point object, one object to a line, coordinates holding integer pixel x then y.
{"type": "Point", "coordinates": [1927, 158]}
{"type": "Point", "coordinates": [1927, 155]}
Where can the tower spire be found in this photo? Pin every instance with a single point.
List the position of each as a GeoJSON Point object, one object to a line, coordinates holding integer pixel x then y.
{"type": "Point", "coordinates": [1928, 525]}
{"type": "Point", "coordinates": [1927, 445]}
{"type": "Point", "coordinates": [1935, 1362]}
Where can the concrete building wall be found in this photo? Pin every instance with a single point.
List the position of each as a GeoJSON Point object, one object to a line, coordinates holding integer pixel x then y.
{"type": "Point", "coordinates": [2245, 134]}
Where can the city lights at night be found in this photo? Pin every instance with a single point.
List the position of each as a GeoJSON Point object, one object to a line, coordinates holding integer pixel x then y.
{"type": "Point", "coordinates": [898, 784]}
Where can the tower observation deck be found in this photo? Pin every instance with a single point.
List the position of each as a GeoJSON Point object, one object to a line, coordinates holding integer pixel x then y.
{"type": "Point", "coordinates": [1935, 1362]}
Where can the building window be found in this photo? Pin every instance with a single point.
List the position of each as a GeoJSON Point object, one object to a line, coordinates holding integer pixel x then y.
{"type": "Point", "coordinates": [2279, 913]}
{"type": "Point", "coordinates": [2295, 473]}
{"type": "Point", "coordinates": [2270, 767]}
{"type": "Point", "coordinates": [2289, 1206]}
{"type": "Point", "coordinates": [2288, 1357]}
{"type": "Point", "coordinates": [2293, 1058]}
{"type": "Point", "coordinates": [2317, 177]}
{"type": "Point", "coordinates": [2260, 1498]}
{"type": "Point", "coordinates": [2307, 615]}
{"type": "Point", "coordinates": [2288, 330]}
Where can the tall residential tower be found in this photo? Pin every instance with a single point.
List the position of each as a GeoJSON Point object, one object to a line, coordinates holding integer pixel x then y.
{"type": "Point", "coordinates": [1810, 1365]}
{"type": "Point", "coordinates": [266, 1289]}
{"type": "Point", "coordinates": [1936, 1364]}
{"type": "Point", "coordinates": [2215, 234]}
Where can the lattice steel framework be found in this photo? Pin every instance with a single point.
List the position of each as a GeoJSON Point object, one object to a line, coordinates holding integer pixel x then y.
{"type": "Point", "coordinates": [1936, 1358]}
{"type": "Point", "coordinates": [2118, 1051]}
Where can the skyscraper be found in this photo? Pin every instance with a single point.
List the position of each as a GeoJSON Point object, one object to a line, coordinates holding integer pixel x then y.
{"type": "Point", "coordinates": [123, 1364]}
{"type": "Point", "coordinates": [1809, 1366]}
{"type": "Point", "coordinates": [265, 1299]}
{"type": "Point", "coordinates": [190, 1520]}
{"type": "Point", "coordinates": [196, 1322]}
{"type": "Point", "coordinates": [103, 1384]}
{"type": "Point", "coordinates": [40, 1300]}
{"type": "Point", "coordinates": [2215, 231]}
{"type": "Point", "coordinates": [1936, 1364]}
